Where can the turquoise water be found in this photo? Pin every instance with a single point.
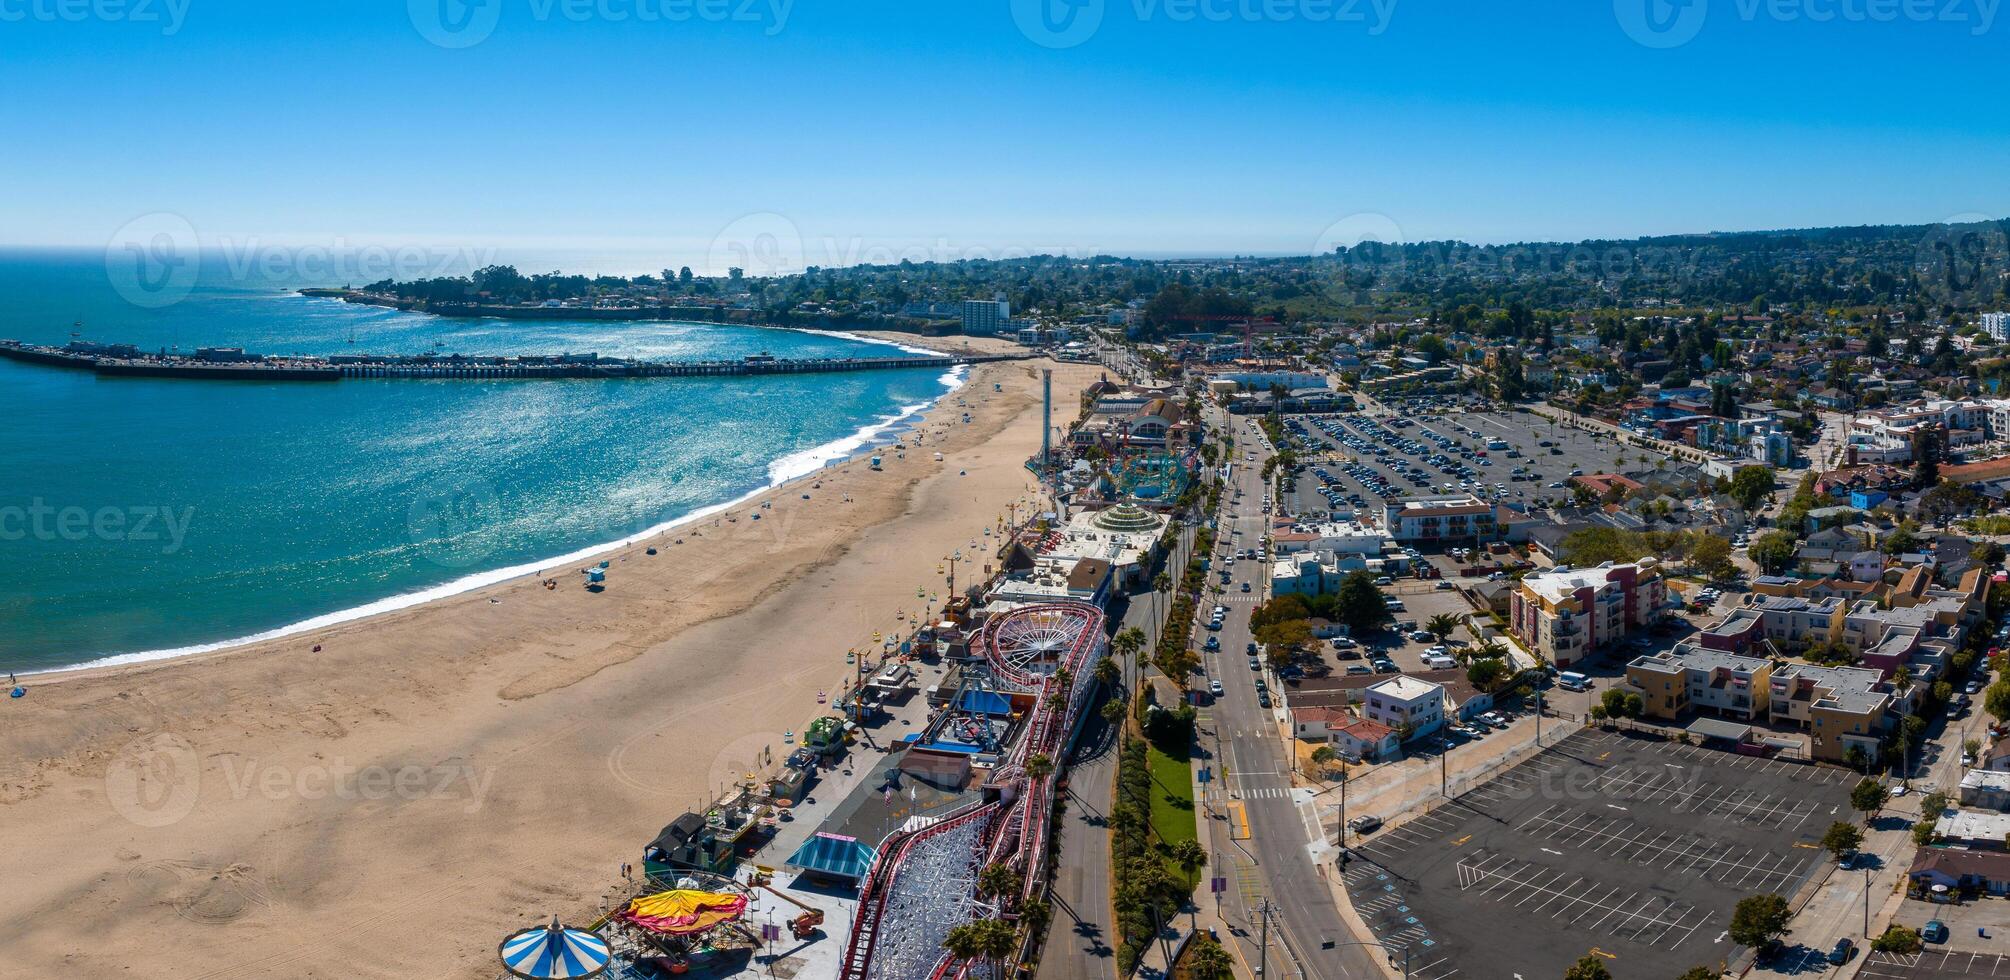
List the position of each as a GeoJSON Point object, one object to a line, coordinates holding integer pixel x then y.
{"type": "Point", "coordinates": [139, 516]}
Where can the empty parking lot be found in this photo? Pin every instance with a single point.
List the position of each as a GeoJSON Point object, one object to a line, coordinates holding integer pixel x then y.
{"type": "Point", "coordinates": [1935, 963]}
{"type": "Point", "coordinates": [1621, 846]}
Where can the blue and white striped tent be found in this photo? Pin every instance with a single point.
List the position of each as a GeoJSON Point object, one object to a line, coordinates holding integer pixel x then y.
{"type": "Point", "coordinates": [549, 952]}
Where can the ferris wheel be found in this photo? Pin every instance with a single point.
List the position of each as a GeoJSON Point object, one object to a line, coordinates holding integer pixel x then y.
{"type": "Point", "coordinates": [1034, 640]}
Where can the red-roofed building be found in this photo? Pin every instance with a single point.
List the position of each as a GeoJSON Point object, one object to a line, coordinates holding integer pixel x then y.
{"type": "Point", "coordinates": [1363, 739]}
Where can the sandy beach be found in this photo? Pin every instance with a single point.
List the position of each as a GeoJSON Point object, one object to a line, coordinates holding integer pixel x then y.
{"type": "Point", "coordinates": [429, 780]}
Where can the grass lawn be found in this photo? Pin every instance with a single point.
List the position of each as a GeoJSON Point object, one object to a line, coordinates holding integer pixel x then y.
{"type": "Point", "coordinates": [1172, 815]}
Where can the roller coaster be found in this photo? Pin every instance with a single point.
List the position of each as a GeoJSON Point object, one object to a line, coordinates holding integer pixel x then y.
{"type": "Point", "coordinates": [924, 880]}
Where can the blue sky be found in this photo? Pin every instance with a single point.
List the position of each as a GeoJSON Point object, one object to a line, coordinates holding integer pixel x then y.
{"type": "Point", "coordinates": [866, 128]}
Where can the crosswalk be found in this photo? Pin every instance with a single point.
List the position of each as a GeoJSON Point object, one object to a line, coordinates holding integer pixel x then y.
{"type": "Point", "coordinates": [1267, 793]}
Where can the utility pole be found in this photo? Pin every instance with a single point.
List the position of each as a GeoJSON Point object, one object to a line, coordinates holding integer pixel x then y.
{"type": "Point", "coordinates": [1444, 763]}
{"type": "Point", "coordinates": [1866, 901]}
{"type": "Point", "coordinates": [1263, 948]}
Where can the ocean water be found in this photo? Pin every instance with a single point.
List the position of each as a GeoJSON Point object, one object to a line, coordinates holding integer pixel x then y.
{"type": "Point", "coordinates": [140, 517]}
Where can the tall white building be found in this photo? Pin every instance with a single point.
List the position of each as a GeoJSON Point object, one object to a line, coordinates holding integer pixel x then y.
{"type": "Point", "coordinates": [987, 317]}
{"type": "Point", "coordinates": [1997, 325]}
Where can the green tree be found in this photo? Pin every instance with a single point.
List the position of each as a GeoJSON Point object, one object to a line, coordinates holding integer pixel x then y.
{"type": "Point", "coordinates": [999, 879]}
{"type": "Point", "coordinates": [1698, 973]}
{"type": "Point", "coordinates": [1931, 807]}
{"type": "Point", "coordinates": [1898, 939]}
{"type": "Point", "coordinates": [1189, 855]}
{"type": "Point", "coordinates": [1038, 766]}
{"type": "Point", "coordinates": [1751, 485]}
{"type": "Point", "coordinates": [1588, 967]}
{"type": "Point", "coordinates": [1358, 604]}
{"type": "Point", "coordinates": [1759, 919]}
{"type": "Point", "coordinates": [1442, 625]}
{"type": "Point", "coordinates": [1206, 959]}
{"type": "Point", "coordinates": [1842, 838]}
{"type": "Point", "coordinates": [1614, 703]}
{"type": "Point", "coordinates": [1773, 552]}
{"type": "Point", "coordinates": [1711, 555]}
{"type": "Point", "coordinates": [1996, 700]}
{"type": "Point", "coordinates": [1868, 797]}
{"type": "Point", "coordinates": [1486, 674]}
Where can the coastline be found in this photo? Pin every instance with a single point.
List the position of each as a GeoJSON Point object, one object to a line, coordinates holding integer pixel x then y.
{"type": "Point", "coordinates": [587, 720]}
{"type": "Point", "coordinates": [783, 471]}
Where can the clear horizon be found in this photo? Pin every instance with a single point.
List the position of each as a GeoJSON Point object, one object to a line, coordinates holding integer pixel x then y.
{"type": "Point", "coordinates": [770, 134]}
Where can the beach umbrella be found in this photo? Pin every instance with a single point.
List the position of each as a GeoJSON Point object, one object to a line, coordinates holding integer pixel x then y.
{"type": "Point", "coordinates": [554, 951]}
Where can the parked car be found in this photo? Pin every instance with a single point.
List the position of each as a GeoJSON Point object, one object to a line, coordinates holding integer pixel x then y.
{"type": "Point", "coordinates": [1213, 644]}
{"type": "Point", "coordinates": [1844, 949]}
{"type": "Point", "coordinates": [1263, 699]}
{"type": "Point", "coordinates": [1934, 932]}
{"type": "Point", "coordinates": [1215, 689]}
{"type": "Point", "coordinates": [1365, 825]}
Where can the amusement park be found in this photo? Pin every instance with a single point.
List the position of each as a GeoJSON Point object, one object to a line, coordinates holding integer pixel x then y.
{"type": "Point", "coordinates": [939, 828]}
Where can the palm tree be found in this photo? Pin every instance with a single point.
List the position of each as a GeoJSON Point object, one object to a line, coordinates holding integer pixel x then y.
{"type": "Point", "coordinates": [964, 941]}
{"type": "Point", "coordinates": [1442, 625]}
{"type": "Point", "coordinates": [1038, 766]}
{"type": "Point", "coordinates": [996, 939]}
{"type": "Point", "coordinates": [1189, 855]}
{"type": "Point", "coordinates": [1106, 672]}
{"type": "Point", "coordinates": [997, 880]}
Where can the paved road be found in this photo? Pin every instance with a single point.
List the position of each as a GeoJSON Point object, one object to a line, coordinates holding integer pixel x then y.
{"type": "Point", "coordinates": [1080, 942]}
{"type": "Point", "coordinates": [1243, 744]}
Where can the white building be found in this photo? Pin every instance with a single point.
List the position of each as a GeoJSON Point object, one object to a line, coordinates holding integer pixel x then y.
{"type": "Point", "coordinates": [1454, 518]}
{"type": "Point", "coordinates": [1401, 701]}
{"type": "Point", "coordinates": [1312, 572]}
{"type": "Point", "coordinates": [1996, 325]}
{"type": "Point", "coordinates": [987, 317]}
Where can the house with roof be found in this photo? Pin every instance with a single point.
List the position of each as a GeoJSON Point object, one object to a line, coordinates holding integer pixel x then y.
{"type": "Point", "coordinates": [1405, 704]}
{"type": "Point", "coordinates": [1986, 789]}
{"type": "Point", "coordinates": [1363, 740]}
{"type": "Point", "coordinates": [1564, 613]}
{"type": "Point", "coordinates": [1943, 874]}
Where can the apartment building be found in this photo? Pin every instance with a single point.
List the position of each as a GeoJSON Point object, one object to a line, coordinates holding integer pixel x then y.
{"type": "Point", "coordinates": [1403, 700]}
{"type": "Point", "coordinates": [1455, 518]}
{"type": "Point", "coordinates": [1839, 707]}
{"type": "Point", "coordinates": [1695, 678]}
{"type": "Point", "coordinates": [1564, 613]}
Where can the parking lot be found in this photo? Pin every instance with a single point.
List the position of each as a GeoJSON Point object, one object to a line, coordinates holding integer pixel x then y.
{"type": "Point", "coordinates": [1504, 456]}
{"type": "Point", "coordinates": [1934, 962]}
{"type": "Point", "coordinates": [1621, 846]}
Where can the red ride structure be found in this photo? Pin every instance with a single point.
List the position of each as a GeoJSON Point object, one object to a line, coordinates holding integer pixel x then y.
{"type": "Point", "coordinates": [923, 882]}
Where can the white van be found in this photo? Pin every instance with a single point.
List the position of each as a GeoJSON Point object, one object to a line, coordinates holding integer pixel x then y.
{"type": "Point", "coordinates": [1571, 680]}
{"type": "Point", "coordinates": [1440, 662]}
